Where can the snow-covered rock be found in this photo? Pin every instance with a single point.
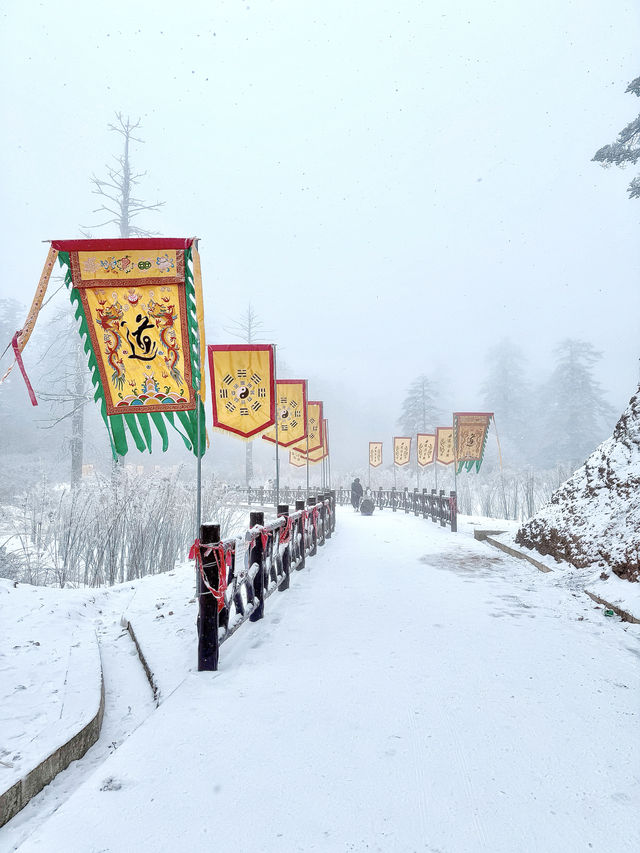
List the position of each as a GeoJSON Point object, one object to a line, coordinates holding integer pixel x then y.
{"type": "Point", "coordinates": [594, 518]}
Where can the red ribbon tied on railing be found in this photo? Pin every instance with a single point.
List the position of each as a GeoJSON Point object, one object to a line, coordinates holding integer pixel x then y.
{"type": "Point", "coordinates": [224, 562]}
{"type": "Point", "coordinates": [314, 517]}
{"type": "Point", "coordinates": [285, 534]}
{"type": "Point", "coordinates": [264, 538]}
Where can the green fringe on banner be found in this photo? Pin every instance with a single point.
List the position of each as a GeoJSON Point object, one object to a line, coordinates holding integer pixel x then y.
{"type": "Point", "coordinates": [138, 423]}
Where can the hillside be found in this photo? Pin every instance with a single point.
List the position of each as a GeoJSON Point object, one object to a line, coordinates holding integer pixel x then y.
{"type": "Point", "coordinates": [593, 520]}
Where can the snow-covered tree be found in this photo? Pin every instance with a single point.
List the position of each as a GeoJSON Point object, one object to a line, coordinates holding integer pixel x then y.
{"type": "Point", "coordinates": [506, 393]}
{"type": "Point", "coordinates": [420, 409]}
{"type": "Point", "coordinates": [576, 415]}
{"type": "Point", "coordinates": [626, 149]}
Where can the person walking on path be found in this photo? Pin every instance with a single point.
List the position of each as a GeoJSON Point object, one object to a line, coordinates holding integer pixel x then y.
{"type": "Point", "coordinates": [356, 493]}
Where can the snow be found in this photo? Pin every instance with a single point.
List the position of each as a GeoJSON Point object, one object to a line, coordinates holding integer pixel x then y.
{"type": "Point", "coordinates": [50, 664]}
{"type": "Point", "coordinates": [610, 588]}
{"type": "Point", "coordinates": [413, 690]}
{"type": "Point", "coordinates": [593, 519]}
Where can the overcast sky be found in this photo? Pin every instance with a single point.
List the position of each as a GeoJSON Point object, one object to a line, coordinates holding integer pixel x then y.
{"type": "Point", "coordinates": [393, 185]}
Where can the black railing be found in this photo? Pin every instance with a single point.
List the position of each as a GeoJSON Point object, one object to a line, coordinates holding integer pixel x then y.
{"type": "Point", "coordinates": [437, 506]}
{"type": "Point", "coordinates": [237, 575]}
{"type": "Point", "coordinates": [268, 496]}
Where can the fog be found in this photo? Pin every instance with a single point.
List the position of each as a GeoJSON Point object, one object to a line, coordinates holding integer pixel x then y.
{"type": "Point", "coordinates": [394, 187]}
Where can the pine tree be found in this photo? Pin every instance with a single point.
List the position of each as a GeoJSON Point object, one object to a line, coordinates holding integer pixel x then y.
{"type": "Point", "coordinates": [420, 410]}
{"type": "Point", "coordinates": [506, 393]}
{"type": "Point", "coordinates": [577, 415]}
{"type": "Point", "coordinates": [627, 147]}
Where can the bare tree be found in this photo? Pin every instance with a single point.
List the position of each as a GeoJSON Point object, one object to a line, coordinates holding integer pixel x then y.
{"type": "Point", "coordinates": [248, 328]}
{"type": "Point", "coordinates": [118, 188]}
{"type": "Point", "coordinates": [66, 384]}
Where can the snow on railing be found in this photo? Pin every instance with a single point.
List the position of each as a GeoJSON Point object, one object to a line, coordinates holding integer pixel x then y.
{"type": "Point", "coordinates": [435, 505]}
{"type": "Point", "coordinates": [236, 576]}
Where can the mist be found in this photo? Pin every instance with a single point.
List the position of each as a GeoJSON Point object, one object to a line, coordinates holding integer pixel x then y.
{"type": "Point", "coordinates": [394, 188]}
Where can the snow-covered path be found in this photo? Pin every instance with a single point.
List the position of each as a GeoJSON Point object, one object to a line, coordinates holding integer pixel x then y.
{"type": "Point", "coordinates": [413, 690]}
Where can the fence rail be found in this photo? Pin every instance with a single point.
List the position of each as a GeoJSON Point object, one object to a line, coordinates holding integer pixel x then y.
{"type": "Point", "coordinates": [437, 506]}
{"type": "Point", "coordinates": [236, 576]}
{"type": "Point", "coordinates": [268, 496]}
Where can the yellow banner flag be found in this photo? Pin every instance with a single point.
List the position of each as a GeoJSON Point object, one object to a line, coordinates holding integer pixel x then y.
{"type": "Point", "coordinates": [470, 436]}
{"type": "Point", "coordinates": [444, 445]}
{"type": "Point", "coordinates": [242, 388]}
{"type": "Point", "coordinates": [314, 426]}
{"type": "Point", "coordinates": [297, 459]}
{"type": "Point", "coordinates": [375, 453]}
{"type": "Point", "coordinates": [401, 450]}
{"type": "Point", "coordinates": [140, 318]}
{"type": "Point", "coordinates": [426, 449]}
{"type": "Point", "coordinates": [291, 412]}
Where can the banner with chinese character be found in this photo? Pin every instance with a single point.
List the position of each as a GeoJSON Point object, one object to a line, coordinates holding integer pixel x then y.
{"type": "Point", "coordinates": [470, 438]}
{"type": "Point", "coordinates": [314, 427]}
{"type": "Point", "coordinates": [321, 452]}
{"type": "Point", "coordinates": [444, 445]}
{"type": "Point", "coordinates": [139, 304]}
{"type": "Point", "coordinates": [242, 388]}
{"type": "Point", "coordinates": [401, 450]}
{"type": "Point", "coordinates": [375, 453]}
{"type": "Point", "coordinates": [297, 459]}
{"type": "Point", "coordinates": [291, 412]}
{"type": "Point", "coordinates": [426, 449]}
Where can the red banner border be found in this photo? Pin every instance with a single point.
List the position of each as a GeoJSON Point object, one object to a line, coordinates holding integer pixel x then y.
{"type": "Point", "coordinates": [211, 348]}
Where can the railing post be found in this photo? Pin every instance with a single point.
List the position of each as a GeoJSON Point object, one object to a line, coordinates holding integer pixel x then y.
{"type": "Point", "coordinates": [393, 498]}
{"type": "Point", "coordinates": [256, 555]}
{"type": "Point", "coordinates": [300, 532]}
{"type": "Point", "coordinates": [432, 504]}
{"type": "Point", "coordinates": [208, 645]}
{"type": "Point", "coordinates": [443, 520]}
{"type": "Point", "coordinates": [283, 512]}
{"type": "Point", "coordinates": [261, 496]}
{"type": "Point", "coordinates": [405, 496]}
{"type": "Point", "coordinates": [453, 506]}
{"type": "Point", "coordinates": [332, 498]}
{"type": "Point", "coordinates": [380, 498]}
{"type": "Point", "coordinates": [328, 514]}
{"type": "Point", "coordinates": [313, 545]}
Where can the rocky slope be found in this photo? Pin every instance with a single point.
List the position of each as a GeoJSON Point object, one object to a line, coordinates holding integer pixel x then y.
{"type": "Point", "coordinates": [594, 518]}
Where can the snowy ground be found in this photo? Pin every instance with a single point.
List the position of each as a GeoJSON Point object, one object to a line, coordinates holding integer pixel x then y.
{"type": "Point", "coordinates": [413, 690]}
{"type": "Point", "coordinates": [607, 586]}
{"type": "Point", "coordinates": [50, 674]}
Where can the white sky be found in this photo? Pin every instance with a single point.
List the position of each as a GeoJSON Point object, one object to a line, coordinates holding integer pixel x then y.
{"type": "Point", "coordinates": [393, 185]}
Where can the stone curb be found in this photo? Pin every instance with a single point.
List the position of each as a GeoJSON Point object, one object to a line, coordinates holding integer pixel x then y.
{"type": "Point", "coordinates": [18, 795]}
{"type": "Point", "coordinates": [485, 536]}
{"type": "Point", "coordinates": [623, 614]}
{"type": "Point", "coordinates": [152, 682]}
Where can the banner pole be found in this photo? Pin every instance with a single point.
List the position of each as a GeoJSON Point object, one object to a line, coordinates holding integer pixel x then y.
{"type": "Point", "coordinates": [307, 466]}
{"type": "Point", "coordinates": [275, 381]}
{"type": "Point", "coordinates": [455, 459]}
{"type": "Point", "coordinates": [199, 444]}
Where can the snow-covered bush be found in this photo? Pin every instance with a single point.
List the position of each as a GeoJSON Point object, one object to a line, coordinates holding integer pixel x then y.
{"type": "Point", "coordinates": [108, 529]}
